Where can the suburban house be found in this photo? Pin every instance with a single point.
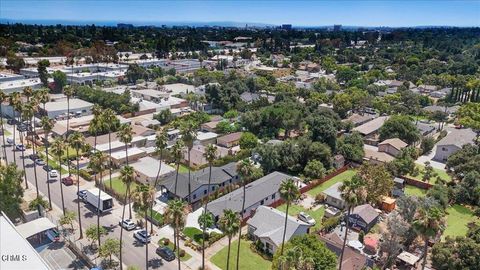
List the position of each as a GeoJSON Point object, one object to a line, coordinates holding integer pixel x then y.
{"type": "Point", "coordinates": [352, 259]}
{"type": "Point", "coordinates": [229, 140]}
{"type": "Point", "coordinates": [206, 138]}
{"type": "Point", "coordinates": [221, 178]}
{"type": "Point", "coordinates": [120, 157]}
{"type": "Point", "coordinates": [376, 157]}
{"type": "Point", "coordinates": [359, 119]}
{"type": "Point", "coordinates": [147, 169]}
{"type": "Point", "coordinates": [392, 146]}
{"type": "Point", "coordinates": [263, 191]}
{"type": "Point", "coordinates": [210, 126]}
{"type": "Point", "coordinates": [453, 142]}
{"type": "Point", "coordinates": [58, 109]}
{"type": "Point", "coordinates": [197, 157]}
{"type": "Point", "coordinates": [363, 217]}
{"type": "Point", "coordinates": [425, 128]}
{"type": "Point", "coordinates": [333, 196]}
{"type": "Point", "coordinates": [267, 225]}
{"type": "Point", "coordinates": [370, 129]}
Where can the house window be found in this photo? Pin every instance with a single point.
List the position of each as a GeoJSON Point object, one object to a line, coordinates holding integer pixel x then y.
{"type": "Point", "coordinates": [273, 196]}
{"type": "Point", "coordinates": [194, 196]}
{"type": "Point", "coordinates": [213, 188]}
{"type": "Point", "coordinates": [204, 192]}
{"type": "Point", "coordinates": [261, 202]}
{"type": "Point", "coordinates": [444, 149]}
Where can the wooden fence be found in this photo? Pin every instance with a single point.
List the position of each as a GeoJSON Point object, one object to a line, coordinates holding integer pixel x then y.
{"type": "Point", "coordinates": [315, 183]}
{"type": "Point", "coordinates": [416, 183]}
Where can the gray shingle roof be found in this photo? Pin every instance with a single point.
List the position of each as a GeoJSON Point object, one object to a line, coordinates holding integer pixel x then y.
{"type": "Point", "coordinates": [334, 191]}
{"type": "Point", "coordinates": [269, 223]}
{"type": "Point", "coordinates": [366, 212]}
{"type": "Point", "coordinates": [255, 192]}
{"type": "Point", "coordinates": [458, 137]}
{"type": "Point", "coordinates": [199, 178]}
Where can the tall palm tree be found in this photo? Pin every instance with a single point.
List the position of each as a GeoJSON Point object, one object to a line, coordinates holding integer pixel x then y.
{"type": "Point", "coordinates": [160, 145]}
{"type": "Point", "coordinates": [428, 223]}
{"type": "Point", "coordinates": [3, 98]}
{"type": "Point", "coordinates": [97, 164]}
{"type": "Point", "coordinates": [68, 91]}
{"type": "Point", "coordinates": [94, 128]}
{"type": "Point", "coordinates": [288, 192]}
{"type": "Point", "coordinates": [210, 155]}
{"type": "Point", "coordinates": [177, 149]}
{"type": "Point", "coordinates": [142, 200]}
{"type": "Point", "coordinates": [175, 214]}
{"type": "Point", "coordinates": [245, 171]}
{"type": "Point", "coordinates": [77, 141]}
{"type": "Point", "coordinates": [125, 135]}
{"type": "Point", "coordinates": [27, 114]}
{"type": "Point", "coordinates": [58, 149]}
{"type": "Point", "coordinates": [353, 193]}
{"type": "Point", "coordinates": [127, 176]}
{"type": "Point", "coordinates": [16, 102]}
{"type": "Point", "coordinates": [189, 134]}
{"type": "Point", "coordinates": [109, 120]}
{"type": "Point", "coordinates": [230, 225]}
{"type": "Point", "coordinates": [47, 126]}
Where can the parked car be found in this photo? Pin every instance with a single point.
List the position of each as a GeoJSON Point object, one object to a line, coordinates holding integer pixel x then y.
{"type": "Point", "coordinates": [10, 141]}
{"type": "Point", "coordinates": [53, 234]}
{"type": "Point", "coordinates": [142, 236]}
{"type": "Point", "coordinates": [39, 162]}
{"type": "Point", "coordinates": [306, 218]}
{"type": "Point", "coordinates": [20, 147]}
{"type": "Point", "coordinates": [82, 194]}
{"type": "Point", "coordinates": [10, 121]}
{"type": "Point", "coordinates": [33, 157]}
{"type": "Point", "coordinates": [166, 253]}
{"type": "Point", "coordinates": [67, 181]}
{"type": "Point", "coordinates": [53, 174]}
{"type": "Point", "coordinates": [47, 168]}
{"type": "Point", "coordinates": [22, 128]}
{"type": "Point", "coordinates": [127, 224]}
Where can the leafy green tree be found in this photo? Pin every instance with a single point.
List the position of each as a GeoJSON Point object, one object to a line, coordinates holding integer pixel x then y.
{"type": "Point", "coordinates": [42, 71]}
{"type": "Point", "coordinates": [427, 144]}
{"type": "Point", "coordinates": [428, 172]}
{"type": "Point", "coordinates": [38, 202]}
{"type": "Point", "coordinates": [404, 163]}
{"type": "Point", "coordinates": [465, 160]}
{"type": "Point", "coordinates": [377, 180]}
{"type": "Point", "coordinates": [314, 170]}
{"type": "Point", "coordinates": [175, 214]}
{"type": "Point", "coordinates": [468, 190]}
{"type": "Point", "coordinates": [248, 140]}
{"type": "Point", "coordinates": [11, 190]}
{"type": "Point", "coordinates": [351, 147]}
{"type": "Point", "coordinates": [92, 233]}
{"type": "Point", "coordinates": [109, 248]}
{"type": "Point", "coordinates": [342, 104]}
{"type": "Point", "coordinates": [135, 73]}
{"type": "Point", "coordinates": [400, 126]}
{"type": "Point", "coordinates": [305, 246]}
{"type": "Point", "coordinates": [164, 116]}
{"type": "Point", "coordinates": [143, 198]}
{"type": "Point", "coordinates": [77, 141]}
{"type": "Point", "coordinates": [67, 219]}
{"type": "Point", "coordinates": [428, 223]}
{"type": "Point", "coordinates": [457, 253]}
{"type": "Point", "coordinates": [469, 116]}
{"type": "Point", "coordinates": [60, 80]}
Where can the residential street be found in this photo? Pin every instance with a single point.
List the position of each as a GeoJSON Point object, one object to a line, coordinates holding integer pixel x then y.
{"type": "Point", "coordinates": [133, 251]}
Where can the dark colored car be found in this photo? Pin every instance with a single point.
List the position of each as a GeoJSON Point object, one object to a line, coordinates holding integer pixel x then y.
{"type": "Point", "coordinates": [47, 168]}
{"type": "Point", "coordinates": [166, 253]}
{"type": "Point", "coordinates": [33, 156]}
{"type": "Point", "coordinates": [67, 181]}
{"type": "Point", "coordinates": [20, 147]}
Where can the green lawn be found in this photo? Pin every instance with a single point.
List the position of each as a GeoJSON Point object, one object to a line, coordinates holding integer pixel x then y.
{"type": "Point", "coordinates": [181, 169]}
{"type": "Point", "coordinates": [6, 133]}
{"type": "Point", "coordinates": [458, 217]}
{"type": "Point", "coordinates": [339, 178]}
{"type": "Point", "coordinates": [170, 245]}
{"type": "Point", "coordinates": [194, 234]}
{"type": "Point", "coordinates": [294, 209]}
{"type": "Point", "coordinates": [248, 259]}
{"type": "Point", "coordinates": [442, 174]}
{"type": "Point", "coordinates": [415, 191]}
{"type": "Point", "coordinates": [55, 166]}
{"type": "Point", "coordinates": [119, 186]}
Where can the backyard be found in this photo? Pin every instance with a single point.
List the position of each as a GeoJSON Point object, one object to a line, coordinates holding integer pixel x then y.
{"type": "Point", "coordinates": [118, 186]}
{"type": "Point", "coordinates": [442, 174]}
{"type": "Point", "coordinates": [294, 209]}
{"type": "Point", "coordinates": [458, 217]}
{"type": "Point", "coordinates": [251, 260]}
{"type": "Point", "coordinates": [339, 178]}
{"type": "Point", "coordinates": [415, 191]}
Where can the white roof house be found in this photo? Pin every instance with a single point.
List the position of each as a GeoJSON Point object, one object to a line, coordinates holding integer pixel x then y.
{"type": "Point", "coordinates": [147, 169]}
{"type": "Point", "coordinates": [18, 85]}
{"type": "Point", "coordinates": [60, 107]}
{"type": "Point", "coordinates": [12, 242]}
{"type": "Point", "coordinates": [178, 88]}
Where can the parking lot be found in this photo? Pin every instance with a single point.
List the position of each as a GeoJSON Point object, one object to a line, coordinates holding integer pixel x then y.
{"type": "Point", "coordinates": [59, 256]}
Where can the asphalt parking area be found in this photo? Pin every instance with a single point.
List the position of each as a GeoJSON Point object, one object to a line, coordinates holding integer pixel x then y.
{"type": "Point", "coordinates": [59, 256]}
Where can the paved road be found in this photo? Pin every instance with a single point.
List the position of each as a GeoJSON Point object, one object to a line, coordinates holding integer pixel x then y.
{"type": "Point", "coordinates": [133, 251]}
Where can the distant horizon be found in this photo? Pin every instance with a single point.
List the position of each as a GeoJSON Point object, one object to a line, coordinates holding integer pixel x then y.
{"type": "Point", "coordinates": [302, 14]}
{"type": "Point", "coordinates": [237, 24]}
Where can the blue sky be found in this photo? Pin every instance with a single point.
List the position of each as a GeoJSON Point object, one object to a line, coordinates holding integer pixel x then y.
{"type": "Point", "coordinates": [298, 13]}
